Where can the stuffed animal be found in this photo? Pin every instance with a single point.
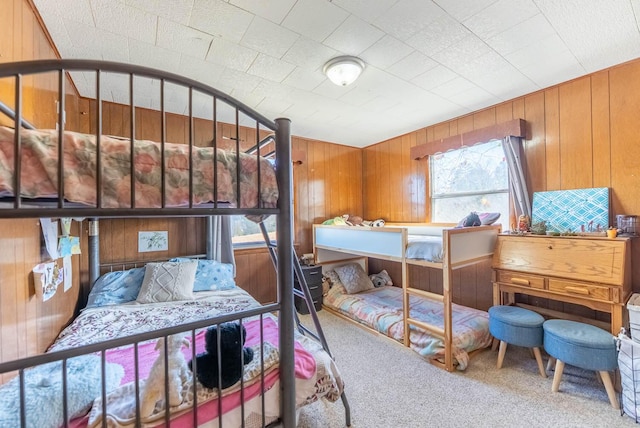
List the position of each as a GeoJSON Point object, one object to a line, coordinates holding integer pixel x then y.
{"type": "Point", "coordinates": [153, 390]}
{"type": "Point", "coordinates": [381, 279]}
{"type": "Point", "coordinates": [232, 338]}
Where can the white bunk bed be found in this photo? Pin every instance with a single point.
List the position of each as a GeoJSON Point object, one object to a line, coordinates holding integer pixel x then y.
{"type": "Point", "coordinates": [445, 247]}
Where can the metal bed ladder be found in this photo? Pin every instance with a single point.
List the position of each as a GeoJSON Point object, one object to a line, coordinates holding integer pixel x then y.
{"type": "Point", "coordinates": [305, 294]}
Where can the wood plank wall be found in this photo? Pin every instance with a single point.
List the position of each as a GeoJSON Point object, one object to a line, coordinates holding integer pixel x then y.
{"type": "Point", "coordinates": [28, 325]}
{"type": "Point", "coordinates": [581, 133]}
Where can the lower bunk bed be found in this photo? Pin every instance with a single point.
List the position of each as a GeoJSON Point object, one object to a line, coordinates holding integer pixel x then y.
{"type": "Point", "coordinates": [441, 331]}
{"type": "Point", "coordinates": [381, 309]}
{"type": "Point", "coordinates": [253, 400]}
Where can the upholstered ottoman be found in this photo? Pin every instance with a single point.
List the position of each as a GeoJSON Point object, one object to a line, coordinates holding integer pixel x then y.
{"type": "Point", "coordinates": [517, 326]}
{"type": "Point", "coordinates": [581, 345]}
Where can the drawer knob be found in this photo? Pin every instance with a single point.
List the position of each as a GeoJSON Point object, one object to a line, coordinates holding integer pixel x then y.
{"type": "Point", "coordinates": [550, 247]}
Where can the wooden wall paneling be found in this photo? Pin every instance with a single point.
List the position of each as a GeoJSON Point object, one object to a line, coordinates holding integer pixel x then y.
{"type": "Point", "coordinates": [318, 192]}
{"type": "Point", "coordinates": [484, 118]}
{"type": "Point", "coordinates": [301, 195]}
{"type": "Point", "coordinates": [468, 286]}
{"type": "Point", "coordinates": [504, 112]}
{"type": "Point", "coordinates": [518, 108]}
{"type": "Point", "coordinates": [396, 182]}
{"type": "Point", "coordinates": [202, 130]}
{"type": "Point", "coordinates": [465, 124]}
{"type": "Point", "coordinates": [331, 180]}
{"type": "Point", "coordinates": [552, 138]}
{"type": "Point", "coordinates": [405, 177]}
{"type": "Point", "coordinates": [440, 130]}
{"type": "Point", "coordinates": [385, 170]}
{"type": "Point", "coordinates": [575, 134]}
{"type": "Point", "coordinates": [484, 286]}
{"type": "Point", "coordinates": [600, 129]}
{"type": "Point", "coordinates": [534, 145]}
{"type": "Point", "coordinates": [7, 33]}
{"type": "Point", "coordinates": [625, 129]}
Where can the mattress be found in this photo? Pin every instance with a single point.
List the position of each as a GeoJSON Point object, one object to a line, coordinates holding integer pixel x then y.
{"type": "Point", "coordinates": [381, 310]}
{"type": "Point", "coordinates": [424, 247]}
{"type": "Point", "coordinates": [316, 375]}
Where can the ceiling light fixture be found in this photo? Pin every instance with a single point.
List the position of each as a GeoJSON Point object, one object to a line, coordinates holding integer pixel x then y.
{"type": "Point", "coordinates": [343, 70]}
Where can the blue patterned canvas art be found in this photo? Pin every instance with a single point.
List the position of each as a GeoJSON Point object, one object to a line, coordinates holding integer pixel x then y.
{"type": "Point", "coordinates": [572, 210]}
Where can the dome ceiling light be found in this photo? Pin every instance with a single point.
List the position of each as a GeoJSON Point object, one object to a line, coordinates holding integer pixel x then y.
{"type": "Point", "coordinates": [343, 70]}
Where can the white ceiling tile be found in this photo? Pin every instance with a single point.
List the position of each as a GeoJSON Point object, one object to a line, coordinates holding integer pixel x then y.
{"type": "Point", "coordinates": [527, 33]}
{"type": "Point", "coordinates": [353, 36]}
{"type": "Point", "coordinates": [438, 35]}
{"type": "Point", "coordinates": [153, 56]}
{"type": "Point", "coordinates": [273, 10]}
{"type": "Point", "coordinates": [230, 54]}
{"type": "Point", "coordinates": [365, 9]}
{"type": "Point", "coordinates": [232, 78]}
{"type": "Point", "coordinates": [200, 70]}
{"type": "Point", "coordinates": [406, 18]}
{"type": "Point", "coordinates": [220, 19]}
{"type": "Point", "coordinates": [558, 68]}
{"type": "Point", "coordinates": [75, 10]}
{"type": "Point", "coordinates": [269, 89]}
{"type": "Point", "coordinates": [412, 65]}
{"type": "Point", "coordinates": [359, 96]}
{"type": "Point", "coordinates": [600, 35]}
{"type": "Point", "coordinates": [536, 53]}
{"type": "Point", "coordinates": [314, 19]}
{"type": "Point", "coordinates": [385, 52]}
{"type": "Point", "coordinates": [329, 89]}
{"type": "Point", "coordinates": [270, 68]}
{"type": "Point", "coordinates": [309, 54]}
{"type": "Point", "coordinates": [458, 55]}
{"type": "Point", "coordinates": [304, 79]}
{"type": "Point", "coordinates": [505, 82]}
{"type": "Point", "coordinates": [183, 39]}
{"type": "Point", "coordinates": [453, 87]}
{"type": "Point", "coordinates": [131, 22]}
{"type": "Point", "coordinates": [176, 10]}
{"type": "Point", "coordinates": [247, 97]}
{"type": "Point", "coordinates": [499, 16]}
{"type": "Point", "coordinates": [463, 9]}
{"type": "Point", "coordinates": [434, 77]}
{"type": "Point", "coordinates": [266, 37]}
{"type": "Point", "coordinates": [102, 44]}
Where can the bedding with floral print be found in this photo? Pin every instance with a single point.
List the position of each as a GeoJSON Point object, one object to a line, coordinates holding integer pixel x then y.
{"type": "Point", "coordinates": [39, 168]}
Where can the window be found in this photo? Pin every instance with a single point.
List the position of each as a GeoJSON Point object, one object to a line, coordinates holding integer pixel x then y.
{"type": "Point", "coordinates": [247, 233]}
{"type": "Point", "coordinates": [473, 178]}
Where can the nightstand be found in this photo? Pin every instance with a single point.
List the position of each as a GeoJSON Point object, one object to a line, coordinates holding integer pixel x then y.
{"type": "Point", "coordinates": [313, 277]}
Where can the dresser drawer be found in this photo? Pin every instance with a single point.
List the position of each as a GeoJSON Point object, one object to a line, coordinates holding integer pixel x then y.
{"type": "Point", "coordinates": [312, 274]}
{"type": "Point", "coordinates": [517, 278]}
{"type": "Point", "coordinates": [579, 289]}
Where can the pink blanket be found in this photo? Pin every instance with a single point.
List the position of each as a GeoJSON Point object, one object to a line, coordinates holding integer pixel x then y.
{"type": "Point", "coordinates": [39, 178]}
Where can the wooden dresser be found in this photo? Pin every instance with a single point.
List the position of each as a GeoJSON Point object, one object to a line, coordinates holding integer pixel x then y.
{"type": "Point", "coordinates": [590, 271]}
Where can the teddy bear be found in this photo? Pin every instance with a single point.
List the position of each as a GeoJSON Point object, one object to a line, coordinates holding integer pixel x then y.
{"type": "Point", "coordinates": [381, 279]}
{"type": "Point", "coordinates": [153, 390]}
{"type": "Point", "coordinates": [232, 355]}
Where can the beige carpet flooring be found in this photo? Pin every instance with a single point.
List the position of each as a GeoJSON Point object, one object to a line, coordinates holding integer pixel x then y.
{"type": "Point", "coordinates": [388, 385]}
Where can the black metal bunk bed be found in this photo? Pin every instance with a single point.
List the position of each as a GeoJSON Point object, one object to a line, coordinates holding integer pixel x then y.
{"type": "Point", "coordinates": [59, 205]}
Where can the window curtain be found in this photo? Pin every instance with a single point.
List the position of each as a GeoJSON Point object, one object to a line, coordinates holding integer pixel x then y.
{"type": "Point", "coordinates": [513, 154]}
{"type": "Point", "coordinates": [220, 246]}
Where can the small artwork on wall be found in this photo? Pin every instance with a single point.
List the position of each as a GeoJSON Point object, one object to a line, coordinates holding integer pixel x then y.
{"type": "Point", "coordinates": [153, 241]}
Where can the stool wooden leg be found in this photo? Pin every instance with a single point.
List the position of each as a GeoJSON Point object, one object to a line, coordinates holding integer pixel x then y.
{"type": "Point", "coordinates": [536, 352]}
{"type": "Point", "coordinates": [557, 376]}
{"type": "Point", "coordinates": [501, 352]}
{"type": "Point", "coordinates": [551, 363]}
{"type": "Point", "coordinates": [494, 344]}
{"type": "Point", "coordinates": [608, 385]}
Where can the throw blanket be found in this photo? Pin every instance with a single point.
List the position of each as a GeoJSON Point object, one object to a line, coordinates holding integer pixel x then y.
{"type": "Point", "coordinates": [40, 171]}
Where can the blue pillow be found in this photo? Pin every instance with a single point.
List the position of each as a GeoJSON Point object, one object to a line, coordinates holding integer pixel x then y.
{"type": "Point", "coordinates": [43, 391]}
{"type": "Point", "coordinates": [117, 287]}
{"type": "Point", "coordinates": [211, 275]}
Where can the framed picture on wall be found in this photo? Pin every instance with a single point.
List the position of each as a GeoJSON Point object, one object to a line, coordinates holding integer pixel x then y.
{"type": "Point", "coordinates": [153, 241]}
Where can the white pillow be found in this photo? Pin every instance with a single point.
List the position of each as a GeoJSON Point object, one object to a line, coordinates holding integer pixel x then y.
{"type": "Point", "coordinates": [354, 278]}
{"type": "Point", "coordinates": [167, 282]}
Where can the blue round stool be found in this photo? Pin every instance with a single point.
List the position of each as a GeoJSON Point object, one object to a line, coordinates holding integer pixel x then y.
{"type": "Point", "coordinates": [581, 345]}
{"type": "Point", "coordinates": [517, 326]}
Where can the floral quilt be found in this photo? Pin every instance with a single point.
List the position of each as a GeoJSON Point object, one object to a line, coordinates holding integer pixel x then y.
{"type": "Point", "coordinates": [381, 310]}
{"type": "Point", "coordinates": [316, 375]}
{"type": "Point", "coordinates": [39, 177]}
